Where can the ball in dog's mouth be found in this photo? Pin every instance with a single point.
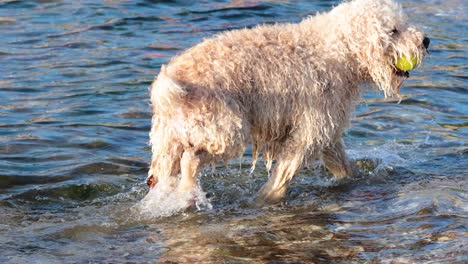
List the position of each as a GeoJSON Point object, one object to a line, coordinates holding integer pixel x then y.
{"type": "Point", "coordinates": [404, 64]}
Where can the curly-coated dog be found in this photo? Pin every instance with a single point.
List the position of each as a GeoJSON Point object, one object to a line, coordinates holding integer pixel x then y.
{"type": "Point", "coordinates": [287, 89]}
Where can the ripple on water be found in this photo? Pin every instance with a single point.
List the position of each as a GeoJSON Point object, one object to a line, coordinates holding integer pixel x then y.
{"type": "Point", "coordinates": [416, 218]}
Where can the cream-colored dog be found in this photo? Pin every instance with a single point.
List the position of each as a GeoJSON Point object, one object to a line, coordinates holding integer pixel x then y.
{"type": "Point", "coordinates": [287, 89]}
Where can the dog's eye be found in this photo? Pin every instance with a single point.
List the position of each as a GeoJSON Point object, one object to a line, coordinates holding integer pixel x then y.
{"type": "Point", "coordinates": [394, 31]}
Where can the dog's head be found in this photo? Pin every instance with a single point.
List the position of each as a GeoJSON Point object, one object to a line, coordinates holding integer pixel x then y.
{"type": "Point", "coordinates": [386, 47]}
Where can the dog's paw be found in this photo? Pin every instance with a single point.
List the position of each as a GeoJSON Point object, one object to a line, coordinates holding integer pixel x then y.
{"type": "Point", "coordinates": [151, 181]}
{"type": "Point", "coordinates": [267, 198]}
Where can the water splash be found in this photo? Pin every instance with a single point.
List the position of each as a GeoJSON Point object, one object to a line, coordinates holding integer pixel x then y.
{"type": "Point", "coordinates": [165, 200]}
{"type": "Point", "coordinates": [386, 156]}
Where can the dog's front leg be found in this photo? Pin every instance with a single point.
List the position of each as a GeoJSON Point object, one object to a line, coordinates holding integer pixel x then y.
{"type": "Point", "coordinates": [287, 164]}
{"type": "Point", "coordinates": [335, 160]}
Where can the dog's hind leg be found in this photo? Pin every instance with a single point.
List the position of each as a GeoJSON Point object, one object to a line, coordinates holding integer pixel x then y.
{"type": "Point", "coordinates": [190, 165]}
{"type": "Point", "coordinates": [335, 160]}
{"type": "Point", "coordinates": [165, 163]}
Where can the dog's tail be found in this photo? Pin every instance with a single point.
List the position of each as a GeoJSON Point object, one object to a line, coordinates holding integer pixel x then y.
{"type": "Point", "coordinates": [165, 92]}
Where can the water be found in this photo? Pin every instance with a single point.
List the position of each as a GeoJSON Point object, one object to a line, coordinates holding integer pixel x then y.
{"type": "Point", "coordinates": [74, 122]}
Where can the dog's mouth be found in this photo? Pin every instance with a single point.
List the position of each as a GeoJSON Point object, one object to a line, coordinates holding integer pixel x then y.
{"type": "Point", "coordinates": [403, 74]}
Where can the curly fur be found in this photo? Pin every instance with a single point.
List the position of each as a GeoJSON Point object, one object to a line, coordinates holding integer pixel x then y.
{"type": "Point", "coordinates": [287, 89]}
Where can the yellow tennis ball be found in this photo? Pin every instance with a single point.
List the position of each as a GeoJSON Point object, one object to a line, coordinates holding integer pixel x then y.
{"type": "Point", "coordinates": [403, 64]}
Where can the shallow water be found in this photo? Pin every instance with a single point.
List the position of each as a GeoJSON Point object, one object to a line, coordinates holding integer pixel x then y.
{"type": "Point", "coordinates": [74, 122]}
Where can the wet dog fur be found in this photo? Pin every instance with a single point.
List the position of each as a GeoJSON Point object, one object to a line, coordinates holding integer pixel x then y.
{"type": "Point", "coordinates": [287, 89]}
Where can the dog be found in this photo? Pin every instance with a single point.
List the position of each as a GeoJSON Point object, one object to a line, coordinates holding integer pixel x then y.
{"type": "Point", "coordinates": [286, 89]}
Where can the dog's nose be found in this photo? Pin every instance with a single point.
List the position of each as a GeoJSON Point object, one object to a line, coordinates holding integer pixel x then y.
{"type": "Point", "coordinates": [426, 42]}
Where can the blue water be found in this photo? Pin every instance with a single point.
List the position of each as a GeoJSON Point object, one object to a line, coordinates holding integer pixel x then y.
{"type": "Point", "coordinates": [74, 123]}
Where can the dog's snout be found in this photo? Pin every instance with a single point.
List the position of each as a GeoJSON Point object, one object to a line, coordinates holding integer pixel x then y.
{"type": "Point", "coordinates": [426, 42]}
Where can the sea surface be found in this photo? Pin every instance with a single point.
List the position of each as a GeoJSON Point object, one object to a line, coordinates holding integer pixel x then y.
{"type": "Point", "coordinates": [74, 123]}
